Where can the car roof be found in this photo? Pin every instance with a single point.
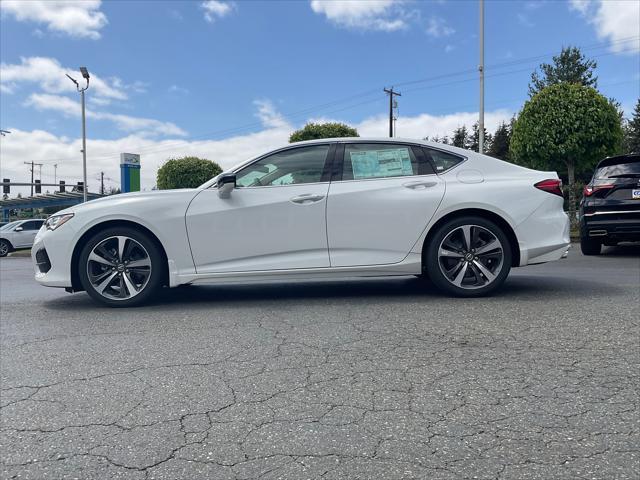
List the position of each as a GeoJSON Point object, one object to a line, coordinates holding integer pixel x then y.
{"type": "Point", "coordinates": [618, 159]}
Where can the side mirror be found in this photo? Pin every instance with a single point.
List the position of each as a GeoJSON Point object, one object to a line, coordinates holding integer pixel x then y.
{"type": "Point", "coordinates": [226, 183]}
{"type": "Point", "coordinates": [18, 229]}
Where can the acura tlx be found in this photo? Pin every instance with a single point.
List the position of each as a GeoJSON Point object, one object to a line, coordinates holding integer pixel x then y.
{"type": "Point", "coordinates": [345, 207]}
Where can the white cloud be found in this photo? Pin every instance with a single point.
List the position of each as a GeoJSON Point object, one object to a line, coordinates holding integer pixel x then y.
{"type": "Point", "coordinates": [103, 155]}
{"type": "Point", "coordinates": [50, 76]}
{"type": "Point", "coordinates": [437, 27]}
{"type": "Point", "coordinates": [143, 127]}
{"type": "Point", "coordinates": [268, 114]}
{"type": "Point", "coordinates": [178, 89]}
{"type": "Point", "coordinates": [214, 9]}
{"type": "Point", "coordinates": [617, 21]}
{"type": "Point", "coordinates": [77, 18]}
{"type": "Point", "coordinates": [382, 15]}
{"type": "Point", "coordinates": [426, 125]}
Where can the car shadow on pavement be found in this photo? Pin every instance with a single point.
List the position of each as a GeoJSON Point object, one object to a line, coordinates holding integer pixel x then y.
{"type": "Point", "coordinates": [368, 291]}
{"type": "Point", "coordinates": [631, 250]}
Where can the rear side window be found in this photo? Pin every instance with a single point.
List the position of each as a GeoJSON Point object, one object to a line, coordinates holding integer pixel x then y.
{"type": "Point", "coordinates": [379, 160]}
{"type": "Point", "coordinates": [621, 170]}
{"type": "Point", "coordinates": [442, 161]}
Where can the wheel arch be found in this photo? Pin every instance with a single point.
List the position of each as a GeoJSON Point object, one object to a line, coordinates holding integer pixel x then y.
{"type": "Point", "coordinates": [75, 256]}
{"type": "Point", "coordinates": [482, 213]}
{"type": "Point", "coordinates": [11, 247]}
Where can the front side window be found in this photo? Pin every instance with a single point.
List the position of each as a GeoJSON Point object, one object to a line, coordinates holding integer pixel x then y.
{"type": "Point", "coordinates": [442, 161]}
{"type": "Point", "coordinates": [378, 160]}
{"type": "Point", "coordinates": [32, 225]}
{"type": "Point", "coordinates": [289, 167]}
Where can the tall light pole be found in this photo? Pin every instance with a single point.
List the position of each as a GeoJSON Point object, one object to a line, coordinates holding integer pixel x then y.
{"type": "Point", "coordinates": [85, 75]}
{"type": "Point", "coordinates": [481, 69]}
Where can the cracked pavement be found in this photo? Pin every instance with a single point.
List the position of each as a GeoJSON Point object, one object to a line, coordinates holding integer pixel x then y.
{"type": "Point", "coordinates": [381, 379]}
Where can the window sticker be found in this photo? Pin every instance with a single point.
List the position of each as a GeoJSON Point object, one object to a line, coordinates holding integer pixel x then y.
{"type": "Point", "coordinates": [381, 163]}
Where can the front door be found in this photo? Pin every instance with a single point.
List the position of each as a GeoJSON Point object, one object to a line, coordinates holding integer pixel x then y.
{"type": "Point", "coordinates": [380, 204]}
{"type": "Point", "coordinates": [25, 237]}
{"type": "Point", "coordinates": [273, 220]}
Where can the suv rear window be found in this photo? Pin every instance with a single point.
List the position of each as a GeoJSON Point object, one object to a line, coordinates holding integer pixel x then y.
{"type": "Point", "coordinates": [622, 170]}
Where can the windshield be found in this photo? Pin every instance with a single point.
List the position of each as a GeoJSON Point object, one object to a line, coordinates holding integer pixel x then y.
{"type": "Point", "coordinates": [9, 226]}
{"type": "Point", "coordinates": [622, 169]}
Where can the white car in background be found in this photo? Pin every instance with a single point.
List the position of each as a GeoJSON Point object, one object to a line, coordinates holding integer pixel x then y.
{"type": "Point", "coordinates": [329, 208]}
{"type": "Point", "coordinates": [19, 234]}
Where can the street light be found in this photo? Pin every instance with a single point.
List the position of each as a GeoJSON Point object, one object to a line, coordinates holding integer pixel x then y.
{"type": "Point", "coordinates": [85, 75]}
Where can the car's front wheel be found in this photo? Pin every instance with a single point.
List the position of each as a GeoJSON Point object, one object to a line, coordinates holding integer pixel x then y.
{"type": "Point", "coordinates": [5, 248]}
{"type": "Point", "coordinates": [468, 257]}
{"type": "Point", "coordinates": [121, 267]}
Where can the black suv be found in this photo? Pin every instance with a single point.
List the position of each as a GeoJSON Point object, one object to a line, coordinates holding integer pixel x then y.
{"type": "Point", "coordinates": [610, 206]}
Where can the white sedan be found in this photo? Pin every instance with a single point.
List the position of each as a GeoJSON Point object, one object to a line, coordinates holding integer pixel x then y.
{"type": "Point", "coordinates": [346, 207]}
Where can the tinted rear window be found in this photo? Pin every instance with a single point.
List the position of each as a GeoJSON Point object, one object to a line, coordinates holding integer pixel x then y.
{"type": "Point", "coordinates": [442, 161]}
{"type": "Point", "coordinates": [632, 168]}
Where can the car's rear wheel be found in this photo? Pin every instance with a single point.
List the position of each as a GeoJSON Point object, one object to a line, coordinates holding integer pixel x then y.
{"type": "Point", "coordinates": [5, 248]}
{"type": "Point", "coordinates": [590, 246]}
{"type": "Point", "coordinates": [468, 257]}
{"type": "Point", "coordinates": [121, 267]}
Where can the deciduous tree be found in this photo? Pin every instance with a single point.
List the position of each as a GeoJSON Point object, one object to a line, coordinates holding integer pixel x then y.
{"type": "Point", "coordinates": [313, 131]}
{"type": "Point", "coordinates": [566, 126]}
{"type": "Point", "coordinates": [186, 172]}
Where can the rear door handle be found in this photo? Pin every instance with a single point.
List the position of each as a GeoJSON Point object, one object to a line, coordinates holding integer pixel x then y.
{"type": "Point", "coordinates": [307, 198]}
{"type": "Point", "coordinates": [419, 185]}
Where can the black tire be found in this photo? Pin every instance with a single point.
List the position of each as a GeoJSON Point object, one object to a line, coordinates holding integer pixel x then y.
{"type": "Point", "coordinates": [431, 258]}
{"type": "Point", "coordinates": [5, 248]}
{"type": "Point", "coordinates": [590, 246]}
{"type": "Point", "coordinates": [154, 280]}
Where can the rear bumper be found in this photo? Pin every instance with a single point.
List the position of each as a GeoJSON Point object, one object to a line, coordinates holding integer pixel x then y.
{"type": "Point", "coordinates": [544, 235]}
{"type": "Point", "coordinates": [620, 225]}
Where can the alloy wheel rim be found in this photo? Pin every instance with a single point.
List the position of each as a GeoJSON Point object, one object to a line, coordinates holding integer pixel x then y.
{"type": "Point", "coordinates": [4, 249]}
{"type": "Point", "coordinates": [119, 268]}
{"type": "Point", "coordinates": [470, 256]}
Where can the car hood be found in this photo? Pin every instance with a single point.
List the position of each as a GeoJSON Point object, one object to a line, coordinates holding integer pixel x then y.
{"type": "Point", "coordinates": [123, 201]}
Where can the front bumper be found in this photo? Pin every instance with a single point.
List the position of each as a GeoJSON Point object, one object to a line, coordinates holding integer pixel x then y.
{"type": "Point", "coordinates": [51, 255]}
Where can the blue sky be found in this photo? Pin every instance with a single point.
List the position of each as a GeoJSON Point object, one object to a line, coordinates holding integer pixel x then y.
{"type": "Point", "coordinates": [228, 80]}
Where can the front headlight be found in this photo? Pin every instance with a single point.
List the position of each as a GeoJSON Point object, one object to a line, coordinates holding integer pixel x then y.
{"type": "Point", "coordinates": [55, 221]}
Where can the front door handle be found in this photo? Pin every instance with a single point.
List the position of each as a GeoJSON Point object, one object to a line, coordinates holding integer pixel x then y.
{"type": "Point", "coordinates": [307, 198]}
{"type": "Point", "coordinates": [419, 185]}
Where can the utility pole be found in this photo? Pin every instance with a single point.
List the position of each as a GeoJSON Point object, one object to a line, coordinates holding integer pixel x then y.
{"type": "Point", "coordinates": [85, 75]}
{"type": "Point", "coordinates": [481, 69]}
{"type": "Point", "coordinates": [33, 164]}
{"type": "Point", "coordinates": [101, 183]}
{"type": "Point", "coordinates": [391, 93]}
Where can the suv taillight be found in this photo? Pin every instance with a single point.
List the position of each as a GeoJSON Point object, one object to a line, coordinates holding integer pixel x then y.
{"type": "Point", "coordinates": [553, 185]}
{"type": "Point", "coordinates": [593, 189]}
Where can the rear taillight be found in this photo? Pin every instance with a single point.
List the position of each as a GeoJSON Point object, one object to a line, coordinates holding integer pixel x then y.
{"type": "Point", "coordinates": [553, 185]}
{"type": "Point", "coordinates": [592, 189]}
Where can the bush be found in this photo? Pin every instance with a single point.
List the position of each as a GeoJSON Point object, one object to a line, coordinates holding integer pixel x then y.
{"type": "Point", "coordinates": [186, 172]}
{"type": "Point", "coordinates": [314, 131]}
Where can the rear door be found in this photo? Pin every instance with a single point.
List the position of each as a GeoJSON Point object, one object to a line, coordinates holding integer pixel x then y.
{"type": "Point", "coordinates": [381, 197]}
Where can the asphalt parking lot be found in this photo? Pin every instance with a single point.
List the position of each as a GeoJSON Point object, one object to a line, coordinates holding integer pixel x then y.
{"type": "Point", "coordinates": [370, 379]}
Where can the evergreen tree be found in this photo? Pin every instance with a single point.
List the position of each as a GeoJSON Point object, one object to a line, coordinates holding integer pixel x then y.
{"type": "Point", "coordinates": [500, 143]}
{"type": "Point", "coordinates": [632, 132]}
{"type": "Point", "coordinates": [571, 66]}
{"type": "Point", "coordinates": [460, 137]}
{"type": "Point", "coordinates": [474, 140]}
